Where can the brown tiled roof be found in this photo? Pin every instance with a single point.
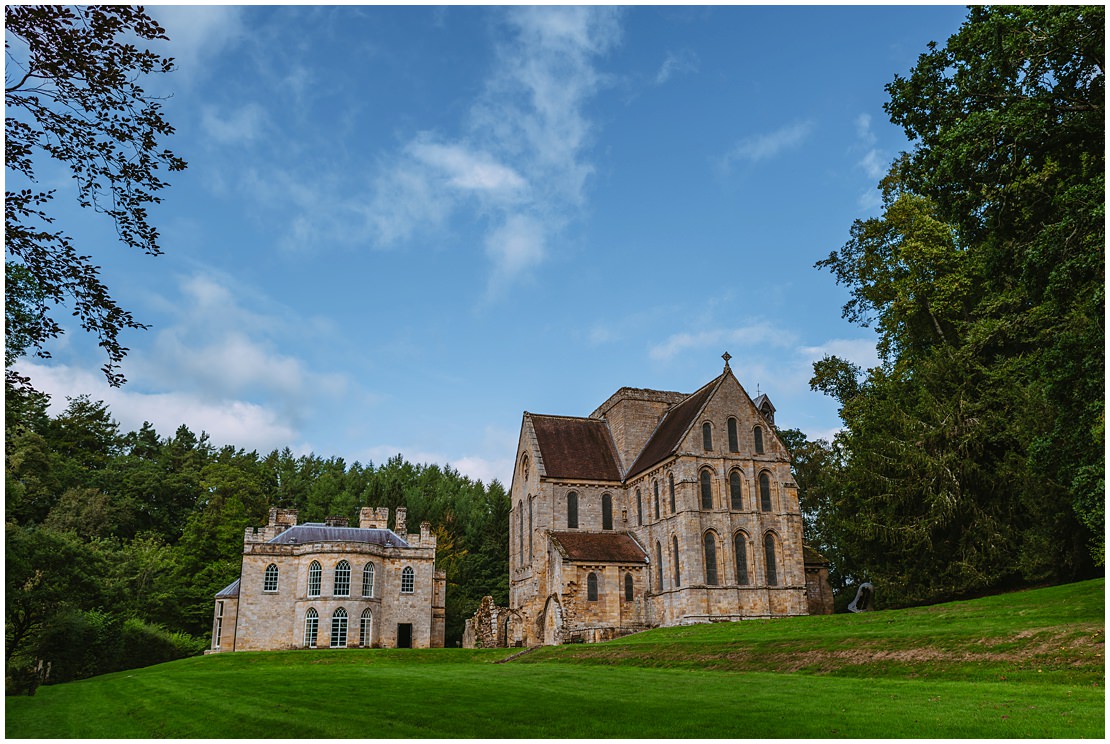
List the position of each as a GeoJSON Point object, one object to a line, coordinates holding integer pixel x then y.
{"type": "Point", "coordinates": [603, 547]}
{"type": "Point", "coordinates": [667, 436]}
{"type": "Point", "coordinates": [576, 448]}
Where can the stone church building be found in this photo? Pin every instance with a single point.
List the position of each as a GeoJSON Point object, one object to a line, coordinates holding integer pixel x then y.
{"type": "Point", "coordinates": [658, 509]}
{"type": "Point", "coordinates": [328, 585]}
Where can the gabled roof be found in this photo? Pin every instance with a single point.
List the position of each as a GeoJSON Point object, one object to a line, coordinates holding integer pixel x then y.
{"type": "Point", "coordinates": [311, 532]}
{"type": "Point", "coordinates": [229, 591]}
{"type": "Point", "coordinates": [668, 434]}
{"type": "Point", "coordinates": [595, 547]}
{"type": "Point", "coordinates": [579, 448]}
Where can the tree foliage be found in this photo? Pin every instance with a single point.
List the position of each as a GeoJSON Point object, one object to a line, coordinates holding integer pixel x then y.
{"type": "Point", "coordinates": [972, 456]}
{"type": "Point", "coordinates": [71, 95]}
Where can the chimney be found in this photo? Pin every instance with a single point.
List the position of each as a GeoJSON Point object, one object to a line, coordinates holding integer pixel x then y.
{"type": "Point", "coordinates": [366, 518]}
{"type": "Point", "coordinates": [400, 521]}
{"type": "Point", "coordinates": [427, 537]}
{"type": "Point", "coordinates": [335, 521]}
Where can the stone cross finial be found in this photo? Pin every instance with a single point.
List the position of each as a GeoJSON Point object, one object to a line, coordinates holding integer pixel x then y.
{"type": "Point", "coordinates": [726, 356]}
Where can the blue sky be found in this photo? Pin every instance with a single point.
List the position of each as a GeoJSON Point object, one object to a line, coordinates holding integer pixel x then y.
{"type": "Point", "coordinates": [402, 227]}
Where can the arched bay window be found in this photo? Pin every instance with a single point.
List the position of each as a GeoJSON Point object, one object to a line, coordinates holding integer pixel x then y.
{"type": "Point", "coordinates": [769, 559]}
{"type": "Point", "coordinates": [572, 510]}
{"type": "Point", "coordinates": [311, 626]}
{"type": "Point", "coordinates": [342, 581]}
{"type": "Point", "coordinates": [606, 512]}
{"type": "Point", "coordinates": [368, 580]}
{"type": "Point", "coordinates": [314, 573]}
{"type": "Point", "coordinates": [339, 628]}
{"type": "Point", "coordinates": [710, 542]}
{"type": "Point", "coordinates": [735, 493]}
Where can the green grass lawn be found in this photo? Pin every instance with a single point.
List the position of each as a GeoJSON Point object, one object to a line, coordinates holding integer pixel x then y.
{"type": "Point", "coordinates": [1027, 664]}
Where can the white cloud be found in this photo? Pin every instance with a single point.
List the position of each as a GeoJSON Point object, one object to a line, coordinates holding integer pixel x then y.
{"type": "Point", "coordinates": [751, 336]}
{"type": "Point", "coordinates": [197, 33]}
{"type": "Point", "coordinates": [676, 62]}
{"type": "Point", "coordinates": [240, 126]}
{"type": "Point", "coordinates": [516, 247]}
{"type": "Point", "coordinates": [468, 171]}
{"type": "Point", "coordinates": [765, 146]}
{"type": "Point", "coordinates": [860, 351]}
{"type": "Point", "coordinates": [874, 163]}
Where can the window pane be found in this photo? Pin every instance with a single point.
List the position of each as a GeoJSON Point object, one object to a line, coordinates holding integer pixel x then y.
{"type": "Point", "coordinates": [591, 588]}
{"type": "Point", "coordinates": [658, 567]}
{"type": "Point", "coordinates": [311, 622]}
{"type": "Point", "coordinates": [408, 580]}
{"type": "Point", "coordinates": [639, 509]}
{"type": "Point", "coordinates": [606, 512]}
{"type": "Point", "coordinates": [707, 436]}
{"type": "Point", "coordinates": [365, 628]}
{"type": "Point", "coordinates": [674, 548]}
{"type": "Point", "coordinates": [655, 486]}
{"type": "Point", "coordinates": [765, 492]}
{"type": "Point", "coordinates": [706, 491]}
{"type": "Point", "coordinates": [736, 496]}
{"type": "Point", "coordinates": [670, 477]}
{"type": "Point", "coordinates": [733, 439]}
{"type": "Point", "coordinates": [572, 510]}
{"type": "Point", "coordinates": [710, 559]}
{"type": "Point", "coordinates": [758, 441]}
{"type": "Point", "coordinates": [628, 588]}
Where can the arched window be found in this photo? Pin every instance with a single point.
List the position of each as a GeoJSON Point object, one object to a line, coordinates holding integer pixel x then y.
{"type": "Point", "coordinates": [658, 567]}
{"type": "Point", "coordinates": [769, 559]}
{"type": "Point", "coordinates": [368, 580]}
{"type": "Point", "coordinates": [733, 439]}
{"type": "Point", "coordinates": [524, 469]}
{"type": "Point", "coordinates": [530, 530]}
{"type": "Point", "coordinates": [655, 487]}
{"type": "Point", "coordinates": [628, 587]}
{"type": "Point", "coordinates": [408, 580]}
{"type": "Point", "coordinates": [765, 491]}
{"type": "Point", "coordinates": [606, 512]}
{"type": "Point", "coordinates": [339, 628]}
{"type": "Point", "coordinates": [758, 433]}
{"type": "Point", "coordinates": [710, 541]}
{"type": "Point", "coordinates": [670, 478]}
{"type": "Point", "coordinates": [343, 579]}
{"type": "Point", "coordinates": [706, 490]}
{"type": "Point", "coordinates": [740, 548]}
{"type": "Point", "coordinates": [674, 557]}
{"type": "Point", "coordinates": [572, 510]}
{"type": "Point", "coordinates": [311, 625]}
{"type": "Point", "coordinates": [314, 579]}
{"type": "Point", "coordinates": [366, 628]}
{"type": "Point", "coordinates": [707, 436]}
{"type": "Point", "coordinates": [591, 587]}
{"type": "Point", "coordinates": [639, 509]}
{"type": "Point", "coordinates": [736, 495]}
{"type": "Point", "coordinates": [269, 583]}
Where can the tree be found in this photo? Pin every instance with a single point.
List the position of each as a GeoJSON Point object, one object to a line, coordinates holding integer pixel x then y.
{"type": "Point", "coordinates": [71, 95]}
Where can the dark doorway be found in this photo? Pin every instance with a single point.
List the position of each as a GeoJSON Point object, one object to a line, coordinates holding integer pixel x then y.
{"type": "Point", "coordinates": [404, 635]}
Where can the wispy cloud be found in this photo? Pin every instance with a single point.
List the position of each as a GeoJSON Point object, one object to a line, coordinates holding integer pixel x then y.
{"type": "Point", "coordinates": [675, 63]}
{"type": "Point", "coordinates": [874, 162]}
{"type": "Point", "coordinates": [745, 337]}
{"type": "Point", "coordinates": [239, 126]}
{"type": "Point", "coordinates": [521, 159]}
{"type": "Point", "coordinates": [765, 146]}
{"type": "Point", "coordinates": [197, 33]}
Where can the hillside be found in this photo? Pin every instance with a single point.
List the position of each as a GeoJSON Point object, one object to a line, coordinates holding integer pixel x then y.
{"type": "Point", "coordinates": [1026, 664]}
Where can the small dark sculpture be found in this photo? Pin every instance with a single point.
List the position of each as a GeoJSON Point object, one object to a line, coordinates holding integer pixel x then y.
{"type": "Point", "coordinates": [865, 595]}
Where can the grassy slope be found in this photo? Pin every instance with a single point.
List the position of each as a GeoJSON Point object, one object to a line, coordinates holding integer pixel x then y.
{"type": "Point", "coordinates": [1022, 664]}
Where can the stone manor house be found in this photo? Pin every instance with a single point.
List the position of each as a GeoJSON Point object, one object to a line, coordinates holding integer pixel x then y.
{"type": "Point", "coordinates": [658, 509]}
{"type": "Point", "coordinates": [328, 585]}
